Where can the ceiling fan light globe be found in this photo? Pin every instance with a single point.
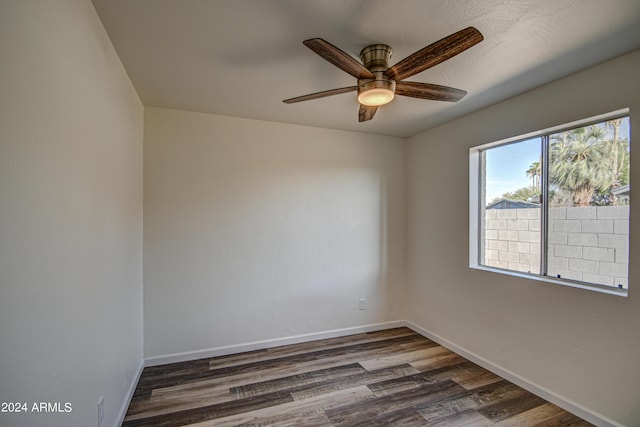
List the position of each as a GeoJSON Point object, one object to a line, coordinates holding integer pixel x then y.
{"type": "Point", "coordinates": [374, 93]}
{"type": "Point", "coordinates": [375, 97]}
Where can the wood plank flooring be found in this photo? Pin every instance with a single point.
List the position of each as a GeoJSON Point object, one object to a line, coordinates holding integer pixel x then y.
{"type": "Point", "coordinates": [387, 378]}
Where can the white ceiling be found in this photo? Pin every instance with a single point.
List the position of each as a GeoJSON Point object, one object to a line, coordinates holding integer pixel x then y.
{"type": "Point", "coordinates": [243, 57]}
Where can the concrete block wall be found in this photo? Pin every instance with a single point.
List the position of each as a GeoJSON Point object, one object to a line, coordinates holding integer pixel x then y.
{"type": "Point", "coordinates": [512, 239]}
{"type": "Point", "coordinates": [590, 244]}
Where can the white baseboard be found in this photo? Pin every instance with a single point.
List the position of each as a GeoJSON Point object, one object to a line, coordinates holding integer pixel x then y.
{"type": "Point", "coordinates": [261, 345]}
{"type": "Point", "coordinates": [132, 388]}
{"type": "Point", "coordinates": [536, 389]}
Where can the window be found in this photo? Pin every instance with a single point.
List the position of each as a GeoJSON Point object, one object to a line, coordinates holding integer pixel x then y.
{"type": "Point", "coordinates": [554, 205]}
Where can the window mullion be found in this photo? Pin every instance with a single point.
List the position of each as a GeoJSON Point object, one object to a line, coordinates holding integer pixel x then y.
{"type": "Point", "coordinates": [544, 203]}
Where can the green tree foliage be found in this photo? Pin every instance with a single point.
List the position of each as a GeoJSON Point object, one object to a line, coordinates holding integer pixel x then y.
{"type": "Point", "coordinates": [524, 193]}
{"type": "Point", "coordinates": [587, 163]}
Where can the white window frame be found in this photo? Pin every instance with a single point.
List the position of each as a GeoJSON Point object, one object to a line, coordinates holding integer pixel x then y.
{"type": "Point", "coordinates": [476, 206]}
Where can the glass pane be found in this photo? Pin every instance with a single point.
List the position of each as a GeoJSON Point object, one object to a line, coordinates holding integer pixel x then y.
{"type": "Point", "coordinates": [511, 209]}
{"type": "Point", "coordinates": [589, 196]}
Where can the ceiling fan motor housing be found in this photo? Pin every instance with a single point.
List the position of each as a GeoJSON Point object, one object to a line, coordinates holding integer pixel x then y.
{"type": "Point", "coordinates": [376, 59]}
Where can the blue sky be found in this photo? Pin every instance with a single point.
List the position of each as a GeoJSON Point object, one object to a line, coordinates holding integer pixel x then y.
{"type": "Point", "coordinates": [506, 167]}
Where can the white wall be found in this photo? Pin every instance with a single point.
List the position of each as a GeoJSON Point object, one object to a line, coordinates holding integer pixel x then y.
{"type": "Point", "coordinates": [579, 344]}
{"type": "Point", "coordinates": [70, 215]}
{"type": "Point", "coordinates": [258, 230]}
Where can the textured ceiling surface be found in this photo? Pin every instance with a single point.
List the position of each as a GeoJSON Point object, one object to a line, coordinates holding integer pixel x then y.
{"type": "Point", "coordinates": [243, 57]}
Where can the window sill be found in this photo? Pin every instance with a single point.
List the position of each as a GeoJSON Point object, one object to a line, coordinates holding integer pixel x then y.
{"type": "Point", "coordinates": [564, 282]}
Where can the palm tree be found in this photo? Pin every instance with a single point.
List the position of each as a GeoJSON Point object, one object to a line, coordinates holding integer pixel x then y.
{"type": "Point", "coordinates": [534, 173]}
{"type": "Point", "coordinates": [619, 151]}
{"type": "Point", "coordinates": [614, 125]}
{"type": "Point", "coordinates": [580, 163]}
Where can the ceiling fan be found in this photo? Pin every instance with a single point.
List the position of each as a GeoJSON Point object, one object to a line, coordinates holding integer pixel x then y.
{"type": "Point", "coordinates": [378, 83]}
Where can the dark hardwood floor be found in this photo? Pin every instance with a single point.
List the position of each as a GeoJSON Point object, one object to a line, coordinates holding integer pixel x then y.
{"type": "Point", "coordinates": [388, 378]}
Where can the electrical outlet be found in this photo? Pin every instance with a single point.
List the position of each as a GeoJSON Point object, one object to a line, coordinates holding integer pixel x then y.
{"type": "Point", "coordinates": [100, 410]}
{"type": "Point", "coordinates": [363, 304]}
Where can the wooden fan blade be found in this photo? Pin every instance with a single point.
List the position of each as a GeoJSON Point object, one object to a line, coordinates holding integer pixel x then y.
{"type": "Point", "coordinates": [320, 94]}
{"type": "Point", "coordinates": [338, 58]}
{"type": "Point", "coordinates": [366, 113]}
{"type": "Point", "coordinates": [435, 53]}
{"type": "Point", "coordinates": [429, 91]}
